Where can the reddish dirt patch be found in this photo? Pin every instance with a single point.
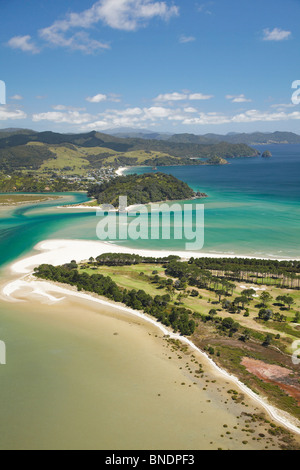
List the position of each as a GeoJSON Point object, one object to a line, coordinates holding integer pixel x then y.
{"type": "Point", "coordinates": [280, 376]}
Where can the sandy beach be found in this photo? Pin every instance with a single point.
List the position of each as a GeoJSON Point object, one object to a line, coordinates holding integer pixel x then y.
{"type": "Point", "coordinates": [121, 171]}
{"type": "Point", "coordinates": [58, 252]}
{"type": "Point", "coordinates": [67, 370]}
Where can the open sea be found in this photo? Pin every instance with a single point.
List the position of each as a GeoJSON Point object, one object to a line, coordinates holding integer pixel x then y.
{"type": "Point", "coordinates": [253, 206]}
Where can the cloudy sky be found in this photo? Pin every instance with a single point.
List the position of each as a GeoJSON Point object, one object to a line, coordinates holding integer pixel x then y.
{"type": "Point", "coordinates": [175, 65]}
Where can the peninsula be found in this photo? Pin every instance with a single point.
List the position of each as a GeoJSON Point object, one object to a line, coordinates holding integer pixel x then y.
{"type": "Point", "coordinates": [143, 189]}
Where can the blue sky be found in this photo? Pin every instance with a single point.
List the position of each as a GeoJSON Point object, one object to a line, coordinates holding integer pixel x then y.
{"type": "Point", "coordinates": [175, 66]}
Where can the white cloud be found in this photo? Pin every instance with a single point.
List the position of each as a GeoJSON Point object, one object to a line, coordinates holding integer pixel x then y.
{"type": "Point", "coordinates": [190, 110]}
{"type": "Point", "coordinates": [79, 41]}
{"type": "Point", "coordinates": [205, 119]}
{"type": "Point", "coordinates": [129, 112]}
{"type": "Point", "coordinates": [97, 98]}
{"type": "Point", "coordinates": [157, 112]}
{"type": "Point", "coordinates": [238, 99]}
{"type": "Point", "coordinates": [182, 97]}
{"type": "Point", "coordinates": [186, 39]}
{"type": "Point", "coordinates": [204, 8]}
{"type": "Point", "coordinates": [150, 116]}
{"type": "Point", "coordinates": [276, 34]}
{"type": "Point", "coordinates": [100, 97]}
{"type": "Point", "coordinates": [126, 15]}
{"type": "Point", "coordinates": [96, 126]}
{"type": "Point", "coordinates": [62, 107]}
{"type": "Point", "coordinates": [283, 106]}
{"type": "Point", "coordinates": [69, 117]}
{"type": "Point", "coordinates": [23, 43]}
{"type": "Point", "coordinates": [7, 114]}
{"type": "Point", "coordinates": [199, 96]}
{"type": "Point", "coordinates": [16, 97]}
{"type": "Point", "coordinates": [129, 15]}
{"type": "Point", "coordinates": [254, 116]}
{"type": "Point", "coordinates": [171, 97]}
{"type": "Point", "coordinates": [114, 98]}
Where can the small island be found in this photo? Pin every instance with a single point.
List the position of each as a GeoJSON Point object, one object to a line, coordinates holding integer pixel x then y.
{"type": "Point", "coordinates": [267, 154]}
{"type": "Point", "coordinates": [216, 161]}
{"type": "Point", "coordinates": [143, 189]}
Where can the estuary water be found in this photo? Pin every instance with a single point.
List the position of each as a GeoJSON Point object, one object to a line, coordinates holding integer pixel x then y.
{"type": "Point", "coordinates": [253, 208]}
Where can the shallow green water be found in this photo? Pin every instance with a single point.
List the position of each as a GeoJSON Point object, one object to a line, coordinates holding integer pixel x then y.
{"type": "Point", "coordinates": [21, 228]}
{"type": "Point", "coordinates": [78, 377]}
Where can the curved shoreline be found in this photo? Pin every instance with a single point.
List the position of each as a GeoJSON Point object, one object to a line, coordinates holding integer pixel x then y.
{"type": "Point", "coordinates": [61, 251]}
{"type": "Point", "coordinates": [42, 288]}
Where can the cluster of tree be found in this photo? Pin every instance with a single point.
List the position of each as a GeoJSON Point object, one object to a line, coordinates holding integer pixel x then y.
{"type": "Point", "coordinates": [286, 300]}
{"type": "Point", "coordinates": [225, 325]}
{"type": "Point", "coordinates": [27, 157]}
{"type": "Point", "coordinates": [198, 277]}
{"type": "Point", "coordinates": [195, 150]}
{"type": "Point", "coordinates": [229, 327]}
{"type": "Point", "coordinates": [127, 259]}
{"type": "Point", "coordinates": [267, 314]}
{"type": "Point", "coordinates": [279, 273]}
{"type": "Point", "coordinates": [141, 189]}
{"type": "Point", "coordinates": [177, 318]}
{"type": "Point", "coordinates": [19, 182]}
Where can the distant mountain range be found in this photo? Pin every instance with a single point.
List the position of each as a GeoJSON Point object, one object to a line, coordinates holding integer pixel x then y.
{"type": "Point", "coordinates": [29, 150]}
{"type": "Point", "coordinates": [256, 138]}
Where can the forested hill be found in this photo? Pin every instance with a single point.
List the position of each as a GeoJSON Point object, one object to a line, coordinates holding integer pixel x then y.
{"type": "Point", "coordinates": [255, 138]}
{"type": "Point", "coordinates": [142, 189]}
{"type": "Point", "coordinates": [29, 150]}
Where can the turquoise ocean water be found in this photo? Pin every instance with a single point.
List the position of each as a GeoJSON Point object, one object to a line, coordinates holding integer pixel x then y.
{"type": "Point", "coordinates": [252, 209]}
{"type": "Point", "coordinates": [253, 205]}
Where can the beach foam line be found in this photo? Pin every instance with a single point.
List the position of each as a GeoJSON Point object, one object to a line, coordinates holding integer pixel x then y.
{"type": "Point", "coordinates": [57, 252]}
{"type": "Point", "coordinates": [43, 288]}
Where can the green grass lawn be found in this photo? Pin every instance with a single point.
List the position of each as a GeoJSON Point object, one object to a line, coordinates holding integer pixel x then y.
{"type": "Point", "coordinates": [66, 158]}
{"type": "Point", "coordinates": [129, 277]}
